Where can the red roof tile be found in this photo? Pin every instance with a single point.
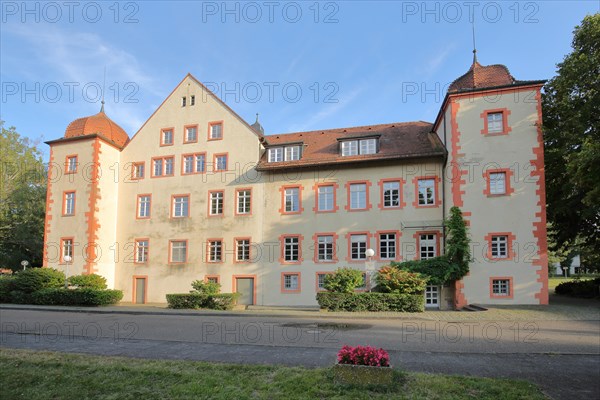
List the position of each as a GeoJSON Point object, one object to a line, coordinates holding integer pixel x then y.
{"type": "Point", "coordinates": [100, 124]}
{"type": "Point", "coordinates": [479, 76]}
{"type": "Point", "coordinates": [396, 141]}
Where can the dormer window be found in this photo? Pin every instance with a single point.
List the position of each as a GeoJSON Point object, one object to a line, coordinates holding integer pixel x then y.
{"type": "Point", "coordinates": [285, 153]}
{"type": "Point", "coordinates": [358, 147]}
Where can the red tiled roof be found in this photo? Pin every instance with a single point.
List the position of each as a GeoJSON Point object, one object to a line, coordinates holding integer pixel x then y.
{"type": "Point", "coordinates": [479, 76]}
{"type": "Point", "coordinates": [97, 124]}
{"type": "Point", "coordinates": [396, 141]}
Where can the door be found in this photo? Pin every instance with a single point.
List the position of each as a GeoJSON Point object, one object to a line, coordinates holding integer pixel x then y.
{"type": "Point", "coordinates": [432, 296]}
{"type": "Point", "coordinates": [245, 287]}
{"type": "Point", "coordinates": [140, 290]}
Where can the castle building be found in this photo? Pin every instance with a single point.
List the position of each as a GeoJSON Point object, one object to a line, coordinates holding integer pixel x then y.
{"type": "Point", "coordinates": [199, 194]}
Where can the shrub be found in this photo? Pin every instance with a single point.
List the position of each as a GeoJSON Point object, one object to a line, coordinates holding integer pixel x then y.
{"type": "Point", "coordinates": [580, 288]}
{"type": "Point", "coordinates": [6, 286]}
{"type": "Point", "coordinates": [206, 287]}
{"type": "Point", "coordinates": [92, 281]}
{"type": "Point", "coordinates": [20, 297]}
{"type": "Point", "coordinates": [344, 280]}
{"type": "Point", "coordinates": [76, 297]}
{"type": "Point", "coordinates": [437, 270]}
{"type": "Point", "coordinates": [34, 279]}
{"type": "Point", "coordinates": [364, 355]}
{"type": "Point", "coordinates": [187, 300]}
{"type": "Point", "coordinates": [371, 302]}
{"type": "Point", "coordinates": [394, 280]}
{"type": "Point", "coordinates": [219, 301]}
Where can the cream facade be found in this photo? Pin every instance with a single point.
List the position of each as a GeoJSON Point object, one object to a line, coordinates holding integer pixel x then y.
{"type": "Point", "coordinates": [199, 194]}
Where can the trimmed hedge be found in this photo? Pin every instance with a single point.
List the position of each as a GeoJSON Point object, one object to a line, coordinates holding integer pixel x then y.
{"type": "Point", "coordinates": [586, 289]}
{"type": "Point", "coordinates": [91, 281]}
{"type": "Point", "coordinates": [35, 279]}
{"type": "Point", "coordinates": [220, 301]}
{"type": "Point", "coordinates": [76, 297]}
{"type": "Point", "coordinates": [6, 286]}
{"type": "Point", "coordinates": [371, 302]}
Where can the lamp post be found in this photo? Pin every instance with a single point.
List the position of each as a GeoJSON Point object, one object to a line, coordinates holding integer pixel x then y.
{"type": "Point", "coordinates": [67, 261]}
{"type": "Point", "coordinates": [369, 267]}
{"type": "Point", "coordinates": [24, 263]}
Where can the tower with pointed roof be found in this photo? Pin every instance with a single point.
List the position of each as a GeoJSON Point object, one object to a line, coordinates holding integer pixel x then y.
{"type": "Point", "coordinates": [83, 196]}
{"type": "Point", "coordinates": [490, 124]}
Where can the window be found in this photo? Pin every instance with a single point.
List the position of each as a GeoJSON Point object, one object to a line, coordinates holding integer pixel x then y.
{"type": "Point", "coordinates": [358, 247]}
{"type": "Point", "coordinates": [387, 246]}
{"type": "Point", "coordinates": [215, 250]}
{"type": "Point", "coordinates": [178, 251]}
{"type": "Point", "coordinates": [497, 182]}
{"type": "Point", "coordinates": [432, 294]}
{"type": "Point", "coordinates": [215, 131]}
{"type": "Point", "coordinates": [143, 206]}
{"type": "Point", "coordinates": [192, 100]}
{"type": "Point", "coordinates": [356, 147]}
{"type": "Point", "coordinates": [292, 153]}
{"type": "Point", "coordinates": [166, 137]}
{"type": "Point", "coordinates": [69, 203]}
{"type": "Point", "coordinates": [163, 166]}
{"type": "Point", "coordinates": [326, 198]}
{"type": "Point", "coordinates": [194, 163]}
{"type": "Point", "coordinates": [501, 288]}
{"type": "Point", "coordinates": [138, 170]}
{"type": "Point", "coordinates": [325, 252]}
{"type": "Point", "coordinates": [391, 194]}
{"type": "Point", "coordinates": [216, 203]}
{"type": "Point", "coordinates": [191, 134]}
{"type": "Point", "coordinates": [220, 162]}
{"type": "Point", "coordinates": [426, 188]}
{"type": "Point", "coordinates": [183, 99]}
{"type": "Point", "coordinates": [358, 196]}
{"type": "Point", "coordinates": [71, 164]}
{"type": "Point", "coordinates": [275, 154]}
{"type": "Point", "coordinates": [291, 249]}
{"type": "Point", "coordinates": [180, 207]}
{"type": "Point", "coordinates": [244, 201]}
{"type": "Point", "coordinates": [290, 282]}
{"type": "Point", "coordinates": [66, 249]}
{"type": "Point", "coordinates": [495, 123]}
{"type": "Point", "coordinates": [242, 250]}
{"type": "Point", "coordinates": [499, 246]}
{"type": "Point", "coordinates": [286, 153]}
{"type": "Point", "coordinates": [141, 250]}
{"type": "Point", "coordinates": [321, 281]}
{"type": "Point", "coordinates": [212, 279]}
{"type": "Point", "coordinates": [292, 200]}
{"type": "Point", "coordinates": [427, 246]}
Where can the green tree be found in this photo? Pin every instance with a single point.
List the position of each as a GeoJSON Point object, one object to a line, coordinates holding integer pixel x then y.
{"type": "Point", "coordinates": [344, 280]}
{"type": "Point", "coordinates": [22, 200]}
{"type": "Point", "coordinates": [571, 105]}
{"type": "Point", "coordinates": [457, 243]}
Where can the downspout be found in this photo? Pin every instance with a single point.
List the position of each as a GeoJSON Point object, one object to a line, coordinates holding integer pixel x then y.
{"type": "Point", "coordinates": [444, 188]}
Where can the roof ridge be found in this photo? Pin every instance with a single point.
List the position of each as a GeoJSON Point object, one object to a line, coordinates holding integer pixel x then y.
{"type": "Point", "coordinates": [349, 127]}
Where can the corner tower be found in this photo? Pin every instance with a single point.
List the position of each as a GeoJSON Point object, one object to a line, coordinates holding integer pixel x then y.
{"type": "Point", "coordinates": [81, 203]}
{"type": "Point", "coordinates": [490, 124]}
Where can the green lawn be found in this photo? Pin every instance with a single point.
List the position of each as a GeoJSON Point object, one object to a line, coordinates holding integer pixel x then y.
{"type": "Point", "coordinates": [44, 375]}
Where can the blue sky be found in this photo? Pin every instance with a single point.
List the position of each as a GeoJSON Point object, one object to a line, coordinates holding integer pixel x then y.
{"type": "Point", "coordinates": [302, 65]}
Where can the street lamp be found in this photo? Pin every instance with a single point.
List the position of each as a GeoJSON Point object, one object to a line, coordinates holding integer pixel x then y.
{"type": "Point", "coordinates": [24, 263]}
{"type": "Point", "coordinates": [67, 261]}
{"type": "Point", "coordinates": [369, 266]}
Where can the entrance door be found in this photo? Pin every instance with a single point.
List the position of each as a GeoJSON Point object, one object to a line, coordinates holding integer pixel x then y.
{"type": "Point", "coordinates": [140, 290]}
{"type": "Point", "coordinates": [432, 296]}
{"type": "Point", "coordinates": [245, 287]}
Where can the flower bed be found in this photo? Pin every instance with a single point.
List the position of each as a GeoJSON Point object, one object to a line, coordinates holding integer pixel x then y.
{"type": "Point", "coordinates": [364, 366]}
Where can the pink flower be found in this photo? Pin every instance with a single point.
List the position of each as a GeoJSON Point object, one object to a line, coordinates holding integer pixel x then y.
{"type": "Point", "coordinates": [363, 355]}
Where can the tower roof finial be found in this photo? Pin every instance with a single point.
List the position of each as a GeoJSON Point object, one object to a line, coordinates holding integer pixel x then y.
{"type": "Point", "coordinates": [474, 47]}
{"type": "Point", "coordinates": [103, 89]}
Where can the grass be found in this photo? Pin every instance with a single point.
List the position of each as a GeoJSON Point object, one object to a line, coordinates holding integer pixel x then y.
{"type": "Point", "coordinates": [28, 374]}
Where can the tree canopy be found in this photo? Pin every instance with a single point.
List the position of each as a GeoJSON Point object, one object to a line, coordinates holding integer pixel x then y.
{"type": "Point", "coordinates": [571, 105]}
{"type": "Point", "coordinates": [22, 200]}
